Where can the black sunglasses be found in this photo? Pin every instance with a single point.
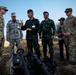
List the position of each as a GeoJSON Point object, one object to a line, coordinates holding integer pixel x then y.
{"type": "Point", "coordinates": [67, 12]}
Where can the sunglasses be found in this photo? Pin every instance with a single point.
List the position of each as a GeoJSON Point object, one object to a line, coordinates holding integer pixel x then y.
{"type": "Point", "coordinates": [66, 11]}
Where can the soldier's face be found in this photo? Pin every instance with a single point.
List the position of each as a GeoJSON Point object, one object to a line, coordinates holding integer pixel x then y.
{"type": "Point", "coordinates": [46, 15]}
{"type": "Point", "coordinates": [3, 11]}
{"type": "Point", "coordinates": [68, 13]}
{"type": "Point", "coordinates": [61, 22]}
{"type": "Point", "coordinates": [13, 17]}
{"type": "Point", "coordinates": [30, 15]}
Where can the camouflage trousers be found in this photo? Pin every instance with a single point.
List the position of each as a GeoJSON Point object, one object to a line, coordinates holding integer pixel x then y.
{"type": "Point", "coordinates": [12, 43]}
{"type": "Point", "coordinates": [71, 44]}
{"type": "Point", "coordinates": [72, 52]}
{"type": "Point", "coordinates": [1, 46]}
{"type": "Point", "coordinates": [48, 42]}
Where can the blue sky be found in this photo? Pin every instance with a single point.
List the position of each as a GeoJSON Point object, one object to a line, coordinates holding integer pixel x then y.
{"type": "Point", "coordinates": [55, 8]}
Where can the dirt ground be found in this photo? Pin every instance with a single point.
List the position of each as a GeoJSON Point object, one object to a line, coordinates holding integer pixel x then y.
{"type": "Point", "coordinates": [6, 54]}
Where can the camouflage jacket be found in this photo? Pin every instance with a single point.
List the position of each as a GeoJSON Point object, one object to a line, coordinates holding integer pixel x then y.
{"type": "Point", "coordinates": [47, 28]}
{"type": "Point", "coordinates": [13, 30]}
{"type": "Point", "coordinates": [70, 26]}
{"type": "Point", "coordinates": [1, 27]}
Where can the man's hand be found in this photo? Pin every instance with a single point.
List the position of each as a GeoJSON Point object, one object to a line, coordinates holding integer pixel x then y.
{"type": "Point", "coordinates": [40, 37]}
{"type": "Point", "coordinates": [8, 40]}
{"type": "Point", "coordinates": [21, 39]}
{"type": "Point", "coordinates": [67, 34]}
{"type": "Point", "coordinates": [21, 22]}
{"type": "Point", "coordinates": [52, 37]}
{"type": "Point", "coordinates": [28, 29]}
{"type": "Point", "coordinates": [59, 34]}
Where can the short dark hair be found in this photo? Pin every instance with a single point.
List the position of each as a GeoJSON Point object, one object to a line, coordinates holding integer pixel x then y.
{"type": "Point", "coordinates": [30, 10]}
{"type": "Point", "coordinates": [45, 12]}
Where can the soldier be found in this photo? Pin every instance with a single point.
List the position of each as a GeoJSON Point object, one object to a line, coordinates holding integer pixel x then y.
{"type": "Point", "coordinates": [61, 39]}
{"type": "Point", "coordinates": [3, 10]}
{"type": "Point", "coordinates": [47, 29]}
{"type": "Point", "coordinates": [32, 26]}
{"type": "Point", "coordinates": [70, 33]}
{"type": "Point", "coordinates": [14, 33]}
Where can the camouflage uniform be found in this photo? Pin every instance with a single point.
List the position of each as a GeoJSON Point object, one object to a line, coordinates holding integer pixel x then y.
{"type": "Point", "coordinates": [14, 34]}
{"type": "Point", "coordinates": [2, 29]}
{"type": "Point", "coordinates": [48, 30]}
{"type": "Point", "coordinates": [70, 26]}
{"type": "Point", "coordinates": [1, 35]}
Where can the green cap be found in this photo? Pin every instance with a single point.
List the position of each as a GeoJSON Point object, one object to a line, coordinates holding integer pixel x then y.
{"type": "Point", "coordinates": [68, 10]}
{"type": "Point", "coordinates": [3, 7]}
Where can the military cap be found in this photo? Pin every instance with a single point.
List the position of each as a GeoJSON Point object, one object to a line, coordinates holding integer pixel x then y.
{"type": "Point", "coordinates": [3, 7]}
{"type": "Point", "coordinates": [30, 10]}
{"type": "Point", "coordinates": [68, 10]}
{"type": "Point", "coordinates": [13, 14]}
{"type": "Point", "coordinates": [61, 19]}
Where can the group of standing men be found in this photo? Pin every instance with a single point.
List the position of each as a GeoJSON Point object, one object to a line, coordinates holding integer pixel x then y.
{"type": "Point", "coordinates": [46, 29]}
{"type": "Point", "coordinates": [32, 27]}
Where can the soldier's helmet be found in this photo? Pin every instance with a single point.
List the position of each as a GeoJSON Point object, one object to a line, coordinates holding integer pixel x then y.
{"type": "Point", "coordinates": [68, 10]}
{"type": "Point", "coordinates": [3, 7]}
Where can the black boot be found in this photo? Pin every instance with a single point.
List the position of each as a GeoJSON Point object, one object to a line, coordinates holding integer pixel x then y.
{"type": "Point", "coordinates": [45, 55]}
{"type": "Point", "coordinates": [51, 56]}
